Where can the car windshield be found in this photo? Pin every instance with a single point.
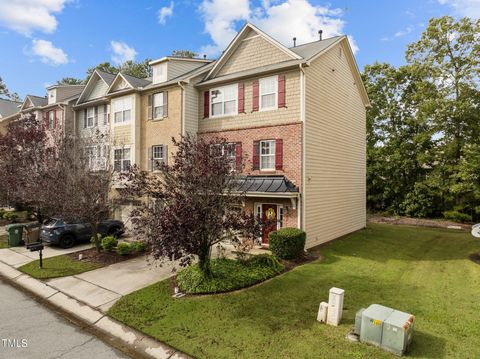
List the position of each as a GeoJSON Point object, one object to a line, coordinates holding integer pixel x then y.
{"type": "Point", "coordinates": [53, 221]}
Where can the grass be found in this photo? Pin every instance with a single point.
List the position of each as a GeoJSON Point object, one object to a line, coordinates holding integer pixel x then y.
{"type": "Point", "coordinates": [59, 266]}
{"type": "Point", "coordinates": [4, 241]}
{"type": "Point", "coordinates": [227, 275]}
{"type": "Point", "coordinates": [423, 271]}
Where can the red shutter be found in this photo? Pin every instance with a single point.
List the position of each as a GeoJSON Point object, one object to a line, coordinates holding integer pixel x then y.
{"type": "Point", "coordinates": [206, 104]}
{"type": "Point", "coordinates": [241, 98]}
{"type": "Point", "coordinates": [45, 119]}
{"type": "Point", "coordinates": [255, 95]}
{"type": "Point", "coordinates": [256, 155]}
{"type": "Point", "coordinates": [279, 154]}
{"type": "Point", "coordinates": [238, 156]}
{"type": "Point", "coordinates": [281, 91]}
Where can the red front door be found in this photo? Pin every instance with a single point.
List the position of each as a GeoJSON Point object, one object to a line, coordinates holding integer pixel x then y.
{"type": "Point", "coordinates": [269, 215]}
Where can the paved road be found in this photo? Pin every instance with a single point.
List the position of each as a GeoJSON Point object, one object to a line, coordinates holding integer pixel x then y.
{"type": "Point", "coordinates": [45, 334]}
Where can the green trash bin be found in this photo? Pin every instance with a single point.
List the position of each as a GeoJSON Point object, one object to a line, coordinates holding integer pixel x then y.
{"type": "Point", "coordinates": [15, 234]}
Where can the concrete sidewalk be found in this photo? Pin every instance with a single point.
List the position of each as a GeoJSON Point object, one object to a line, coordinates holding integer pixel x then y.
{"type": "Point", "coordinates": [89, 295]}
{"type": "Point", "coordinates": [101, 288]}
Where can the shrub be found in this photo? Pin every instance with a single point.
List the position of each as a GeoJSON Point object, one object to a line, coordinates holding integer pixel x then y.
{"type": "Point", "coordinates": [124, 249]}
{"type": "Point", "coordinates": [10, 216]}
{"type": "Point", "coordinates": [138, 246]}
{"type": "Point", "coordinates": [457, 216]}
{"type": "Point", "coordinates": [109, 242]}
{"type": "Point", "coordinates": [287, 243]}
{"type": "Point", "coordinates": [265, 260]}
{"type": "Point", "coordinates": [2, 212]}
{"type": "Point", "coordinates": [226, 275]}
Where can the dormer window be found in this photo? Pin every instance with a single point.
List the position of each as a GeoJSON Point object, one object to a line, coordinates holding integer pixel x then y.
{"type": "Point", "coordinates": [223, 101]}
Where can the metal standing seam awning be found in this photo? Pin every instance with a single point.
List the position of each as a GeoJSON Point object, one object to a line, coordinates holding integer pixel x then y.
{"type": "Point", "coordinates": [268, 186]}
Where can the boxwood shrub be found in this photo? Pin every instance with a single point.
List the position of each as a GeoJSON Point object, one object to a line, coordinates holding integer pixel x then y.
{"type": "Point", "coordinates": [109, 242]}
{"type": "Point", "coordinates": [287, 243]}
{"type": "Point", "coordinates": [457, 216]}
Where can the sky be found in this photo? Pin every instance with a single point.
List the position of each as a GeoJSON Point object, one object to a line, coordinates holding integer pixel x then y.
{"type": "Point", "coordinates": [42, 41]}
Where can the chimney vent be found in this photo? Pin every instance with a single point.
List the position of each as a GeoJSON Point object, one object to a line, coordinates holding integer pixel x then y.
{"type": "Point", "coordinates": [294, 41]}
{"type": "Point", "coordinates": [204, 56]}
{"type": "Point", "coordinates": [320, 32]}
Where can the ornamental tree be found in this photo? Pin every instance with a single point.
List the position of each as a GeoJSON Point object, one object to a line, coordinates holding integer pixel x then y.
{"type": "Point", "coordinates": [192, 204]}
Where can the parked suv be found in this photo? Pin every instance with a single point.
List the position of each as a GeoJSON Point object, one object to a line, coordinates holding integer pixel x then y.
{"type": "Point", "coordinates": [56, 230]}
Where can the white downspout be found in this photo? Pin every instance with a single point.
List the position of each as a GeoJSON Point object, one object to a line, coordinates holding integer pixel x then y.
{"type": "Point", "coordinates": [182, 131]}
{"type": "Point", "coordinates": [301, 210]}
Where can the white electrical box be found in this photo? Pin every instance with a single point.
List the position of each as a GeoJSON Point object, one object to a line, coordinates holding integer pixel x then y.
{"type": "Point", "coordinates": [335, 306]}
{"type": "Point", "coordinates": [322, 312]}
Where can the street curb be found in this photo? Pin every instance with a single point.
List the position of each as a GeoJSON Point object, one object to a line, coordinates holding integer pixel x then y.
{"type": "Point", "coordinates": [114, 333]}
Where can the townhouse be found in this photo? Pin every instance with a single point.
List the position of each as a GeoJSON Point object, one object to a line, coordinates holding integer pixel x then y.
{"type": "Point", "coordinates": [92, 119]}
{"type": "Point", "coordinates": [8, 110]}
{"type": "Point", "coordinates": [296, 118]}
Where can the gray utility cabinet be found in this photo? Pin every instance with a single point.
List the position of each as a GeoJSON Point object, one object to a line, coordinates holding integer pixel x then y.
{"type": "Point", "coordinates": [385, 327]}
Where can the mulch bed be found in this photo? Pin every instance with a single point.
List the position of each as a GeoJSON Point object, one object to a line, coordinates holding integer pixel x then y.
{"type": "Point", "coordinates": [290, 264]}
{"type": "Point", "coordinates": [475, 258]}
{"type": "Point", "coordinates": [104, 258]}
{"type": "Point", "coordinates": [422, 222]}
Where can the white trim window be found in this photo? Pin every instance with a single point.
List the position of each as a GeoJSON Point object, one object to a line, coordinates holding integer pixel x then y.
{"type": "Point", "coordinates": [122, 110]}
{"type": "Point", "coordinates": [90, 117]}
{"type": "Point", "coordinates": [158, 156]}
{"type": "Point", "coordinates": [268, 93]}
{"type": "Point", "coordinates": [158, 105]}
{"type": "Point", "coordinates": [121, 159]}
{"type": "Point", "coordinates": [51, 119]}
{"type": "Point", "coordinates": [224, 101]}
{"type": "Point", "coordinates": [267, 155]}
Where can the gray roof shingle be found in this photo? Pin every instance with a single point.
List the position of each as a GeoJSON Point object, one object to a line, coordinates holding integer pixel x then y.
{"type": "Point", "coordinates": [106, 76]}
{"type": "Point", "coordinates": [310, 49]}
{"type": "Point", "coordinates": [135, 81]}
{"type": "Point", "coordinates": [38, 101]}
{"type": "Point", "coordinates": [8, 107]}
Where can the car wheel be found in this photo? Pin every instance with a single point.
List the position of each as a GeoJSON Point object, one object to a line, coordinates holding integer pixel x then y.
{"type": "Point", "coordinates": [67, 241]}
{"type": "Point", "coordinates": [114, 232]}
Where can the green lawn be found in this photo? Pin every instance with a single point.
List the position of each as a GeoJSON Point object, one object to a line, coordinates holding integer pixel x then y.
{"type": "Point", "coordinates": [59, 266]}
{"type": "Point", "coordinates": [4, 241]}
{"type": "Point", "coordinates": [418, 270]}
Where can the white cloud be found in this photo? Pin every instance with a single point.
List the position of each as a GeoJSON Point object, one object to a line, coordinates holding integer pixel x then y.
{"type": "Point", "coordinates": [122, 52]}
{"type": "Point", "coordinates": [470, 8]}
{"type": "Point", "coordinates": [48, 53]}
{"type": "Point", "coordinates": [164, 12]}
{"type": "Point", "coordinates": [283, 20]}
{"type": "Point", "coordinates": [26, 16]}
{"type": "Point", "coordinates": [400, 33]}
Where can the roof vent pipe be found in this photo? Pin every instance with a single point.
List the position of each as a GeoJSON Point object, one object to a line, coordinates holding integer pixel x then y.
{"type": "Point", "coordinates": [204, 56]}
{"type": "Point", "coordinates": [320, 32]}
{"type": "Point", "coordinates": [294, 41]}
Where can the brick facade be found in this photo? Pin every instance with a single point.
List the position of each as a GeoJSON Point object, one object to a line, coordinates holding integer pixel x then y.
{"type": "Point", "coordinates": [291, 135]}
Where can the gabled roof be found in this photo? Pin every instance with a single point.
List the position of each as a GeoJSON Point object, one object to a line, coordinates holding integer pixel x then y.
{"type": "Point", "coordinates": [8, 107]}
{"type": "Point", "coordinates": [36, 101]}
{"type": "Point", "coordinates": [134, 83]}
{"type": "Point", "coordinates": [310, 49]}
{"type": "Point", "coordinates": [236, 42]}
{"type": "Point", "coordinates": [106, 77]}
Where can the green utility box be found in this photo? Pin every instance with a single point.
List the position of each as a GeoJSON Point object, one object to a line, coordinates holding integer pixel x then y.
{"type": "Point", "coordinates": [358, 321]}
{"type": "Point", "coordinates": [385, 327]}
{"type": "Point", "coordinates": [372, 323]}
{"type": "Point", "coordinates": [397, 332]}
{"type": "Point", "coordinates": [15, 233]}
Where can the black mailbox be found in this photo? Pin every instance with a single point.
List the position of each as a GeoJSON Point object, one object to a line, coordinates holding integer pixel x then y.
{"type": "Point", "coordinates": [34, 247]}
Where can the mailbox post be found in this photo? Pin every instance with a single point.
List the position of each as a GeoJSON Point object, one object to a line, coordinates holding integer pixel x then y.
{"type": "Point", "coordinates": [37, 247]}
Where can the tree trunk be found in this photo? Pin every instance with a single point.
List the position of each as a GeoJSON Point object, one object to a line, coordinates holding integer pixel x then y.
{"type": "Point", "coordinates": [204, 260]}
{"type": "Point", "coordinates": [97, 240]}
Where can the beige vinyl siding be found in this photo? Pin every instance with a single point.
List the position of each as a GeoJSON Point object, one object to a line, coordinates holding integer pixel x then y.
{"type": "Point", "coordinates": [284, 115]}
{"type": "Point", "coordinates": [192, 98]}
{"type": "Point", "coordinates": [98, 90]}
{"type": "Point", "coordinates": [335, 149]}
{"type": "Point", "coordinates": [122, 135]}
{"type": "Point", "coordinates": [254, 51]}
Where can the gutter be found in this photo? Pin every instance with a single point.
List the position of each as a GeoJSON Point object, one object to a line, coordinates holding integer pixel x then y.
{"type": "Point", "coordinates": [301, 214]}
{"type": "Point", "coordinates": [182, 129]}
